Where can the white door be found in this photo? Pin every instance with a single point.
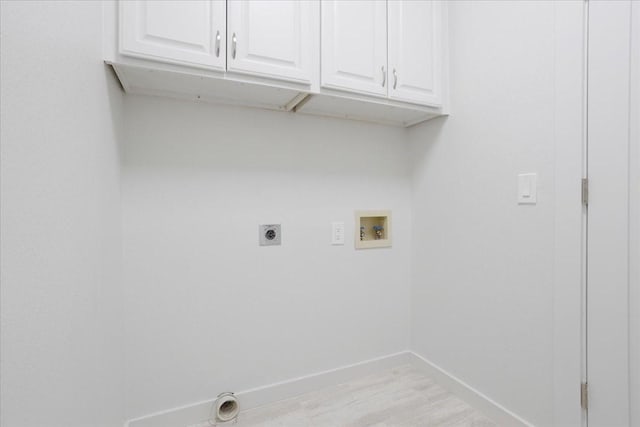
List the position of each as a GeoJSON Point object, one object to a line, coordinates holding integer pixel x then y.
{"type": "Point", "coordinates": [354, 46]}
{"type": "Point", "coordinates": [415, 51]}
{"type": "Point", "coordinates": [182, 32]}
{"type": "Point", "coordinates": [271, 38]}
{"type": "Point", "coordinates": [610, 241]}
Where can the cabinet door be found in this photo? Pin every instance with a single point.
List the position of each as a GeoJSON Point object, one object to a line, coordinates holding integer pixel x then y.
{"type": "Point", "coordinates": [415, 51]}
{"type": "Point", "coordinates": [354, 46]}
{"type": "Point", "coordinates": [182, 32]}
{"type": "Point", "coordinates": [271, 38]}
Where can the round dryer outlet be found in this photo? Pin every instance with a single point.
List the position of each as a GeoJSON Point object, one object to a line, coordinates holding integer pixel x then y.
{"type": "Point", "coordinates": [270, 234]}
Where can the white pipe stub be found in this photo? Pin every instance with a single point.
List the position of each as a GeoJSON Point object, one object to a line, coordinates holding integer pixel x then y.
{"type": "Point", "coordinates": [226, 407]}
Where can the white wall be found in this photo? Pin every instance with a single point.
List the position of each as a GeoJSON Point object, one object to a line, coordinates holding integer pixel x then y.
{"type": "Point", "coordinates": [208, 310]}
{"type": "Point", "coordinates": [483, 266]}
{"type": "Point", "coordinates": [60, 253]}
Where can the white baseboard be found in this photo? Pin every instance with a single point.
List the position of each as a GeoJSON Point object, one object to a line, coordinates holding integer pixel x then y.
{"type": "Point", "coordinates": [197, 413]}
{"type": "Point", "coordinates": [492, 409]}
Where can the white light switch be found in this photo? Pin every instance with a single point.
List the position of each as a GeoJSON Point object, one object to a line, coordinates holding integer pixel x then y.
{"type": "Point", "coordinates": [337, 233]}
{"type": "Point", "coordinates": [527, 188]}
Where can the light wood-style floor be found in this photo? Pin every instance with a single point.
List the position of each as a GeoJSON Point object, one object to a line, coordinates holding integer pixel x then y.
{"type": "Point", "coordinates": [402, 396]}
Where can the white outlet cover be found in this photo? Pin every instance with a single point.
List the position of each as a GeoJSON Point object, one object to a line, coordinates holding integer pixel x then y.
{"type": "Point", "coordinates": [270, 234]}
{"type": "Point", "coordinates": [337, 233]}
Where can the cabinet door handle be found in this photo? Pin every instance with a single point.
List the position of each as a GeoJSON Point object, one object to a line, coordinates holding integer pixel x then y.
{"type": "Point", "coordinates": [234, 42]}
{"type": "Point", "coordinates": [218, 44]}
{"type": "Point", "coordinates": [384, 76]}
{"type": "Point", "coordinates": [395, 78]}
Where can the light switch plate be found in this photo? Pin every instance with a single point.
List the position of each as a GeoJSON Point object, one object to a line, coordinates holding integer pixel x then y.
{"type": "Point", "coordinates": [527, 188]}
{"type": "Point", "coordinates": [337, 233]}
{"type": "Point", "coordinates": [270, 234]}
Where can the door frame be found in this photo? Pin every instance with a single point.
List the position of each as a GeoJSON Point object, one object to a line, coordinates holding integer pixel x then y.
{"type": "Point", "coordinates": [570, 114]}
{"type": "Point", "coordinates": [634, 215]}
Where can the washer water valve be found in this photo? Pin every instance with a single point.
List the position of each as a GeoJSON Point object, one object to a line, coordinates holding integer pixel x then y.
{"type": "Point", "coordinates": [378, 229]}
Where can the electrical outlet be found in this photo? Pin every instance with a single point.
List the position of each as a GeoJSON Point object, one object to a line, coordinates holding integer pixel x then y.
{"type": "Point", "coordinates": [337, 233]}
{"type": "Point", "coordinates": [270, 234]}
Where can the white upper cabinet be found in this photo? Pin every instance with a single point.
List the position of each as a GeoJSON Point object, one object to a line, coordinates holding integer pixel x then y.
{"type": "Point", "coordinates": [272, 38]}
{"type": "Point", "coordinates": [181, 32]}
{"type": "Point", "coordinates": [375, 60]}
{"type": "Point", "coordinates": [415, 51]}
{"type": "Point", "coordinates": [354, 46]}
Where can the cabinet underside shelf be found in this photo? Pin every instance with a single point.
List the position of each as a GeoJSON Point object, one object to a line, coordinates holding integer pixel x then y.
{"type": "Point", "coordinates": [225, 90]}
